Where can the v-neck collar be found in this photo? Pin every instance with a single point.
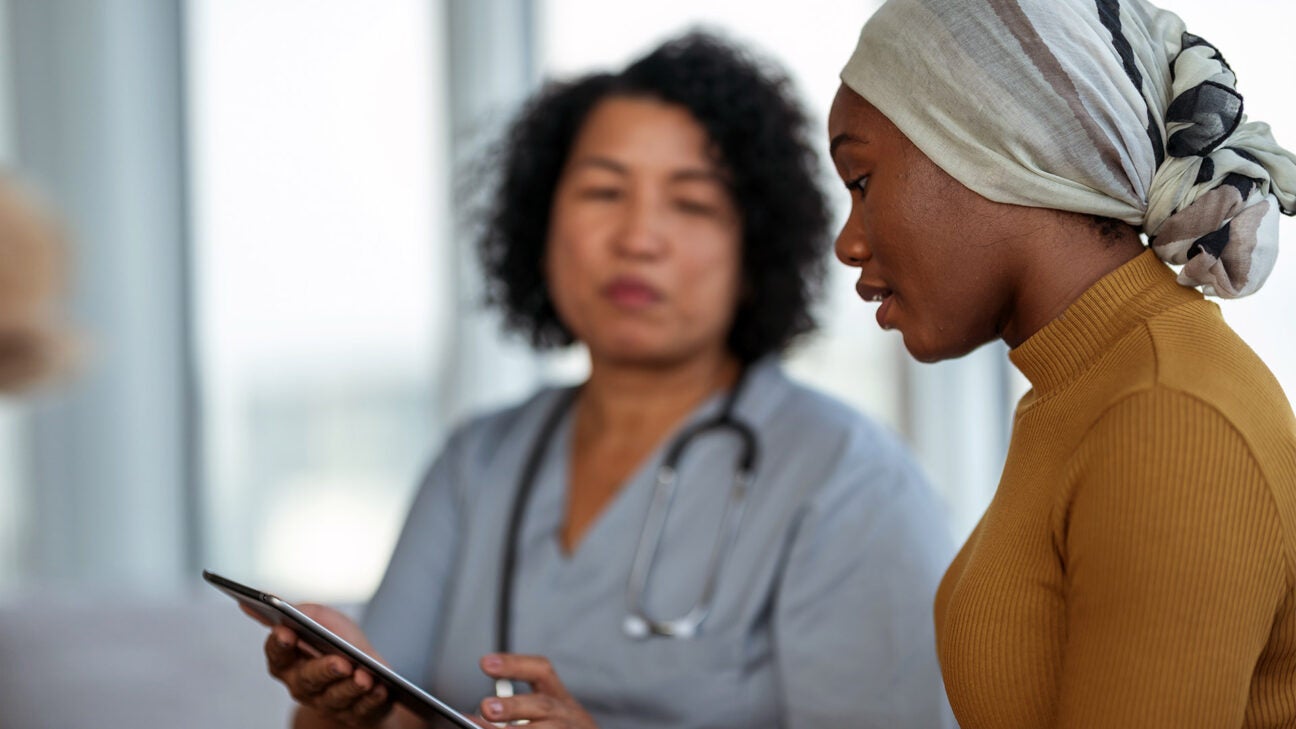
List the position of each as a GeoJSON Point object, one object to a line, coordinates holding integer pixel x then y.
{"type": "Point", "coordinates": [640, 481]}
{"type": "Point", "coordinates": [542, 524]}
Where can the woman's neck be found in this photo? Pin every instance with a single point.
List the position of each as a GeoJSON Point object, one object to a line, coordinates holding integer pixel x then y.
{"type": "Point", "coordinates": [632, 400]}
{"type": "Point", "coordinates": [1062, 268]}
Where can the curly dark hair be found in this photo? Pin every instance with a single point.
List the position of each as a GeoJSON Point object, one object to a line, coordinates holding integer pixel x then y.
{"type": "Point", "coordinates": [759, 137]}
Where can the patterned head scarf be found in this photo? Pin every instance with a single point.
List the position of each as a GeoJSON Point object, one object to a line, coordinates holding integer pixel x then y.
{"type": "Point", "coordinates": [1104, 107]}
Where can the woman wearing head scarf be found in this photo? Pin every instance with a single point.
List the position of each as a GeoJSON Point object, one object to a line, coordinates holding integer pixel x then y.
{"type": "Point", "coordinates": [1136, 565]}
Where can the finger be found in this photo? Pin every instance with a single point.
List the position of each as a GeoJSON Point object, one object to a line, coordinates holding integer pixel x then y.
{"type": "Point", "coordinates": [535, 670]}
{"type": "Point", "coordinates": [285, 634]}
{"type": "Point", "coordinates": [534, 707]}
{"type": "Point", "coordinates": [317, 674]}
{"type": "Point", "coordinates": [281, 651]}
{"type": "Point", "coordinates": [341, 695]}
{"type": "Point", "coordinates": [372, 704]}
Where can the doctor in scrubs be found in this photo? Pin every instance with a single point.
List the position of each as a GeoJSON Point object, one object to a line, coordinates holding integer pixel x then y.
{"type": "Point", "coordinates": [599, 546]}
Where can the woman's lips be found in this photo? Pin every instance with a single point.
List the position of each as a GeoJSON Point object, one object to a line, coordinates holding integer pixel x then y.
{"type": "Point", "coordinates": [884, 311]}
{"type": "Point", "coordinates": [880, 294]}
{"type": "Point", "coordinates": [631, 293]}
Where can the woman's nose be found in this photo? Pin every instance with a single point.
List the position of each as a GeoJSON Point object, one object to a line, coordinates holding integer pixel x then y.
{"type": "Point", "coordinates": [850, 247]}
{"type": "Point", "coordinates": [642, 233]}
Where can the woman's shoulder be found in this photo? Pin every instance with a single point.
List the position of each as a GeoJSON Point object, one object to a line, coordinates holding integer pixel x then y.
{"type": "Point", "coordinates": [1195, 349]}
{"type": "Point", "coordinates": [1184, 354]}
{"type": "Point", "coordinates": [1198, 355]}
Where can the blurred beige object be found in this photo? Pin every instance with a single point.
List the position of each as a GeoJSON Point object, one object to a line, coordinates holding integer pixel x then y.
{"type": "Point", "coordinates": [32, 341]}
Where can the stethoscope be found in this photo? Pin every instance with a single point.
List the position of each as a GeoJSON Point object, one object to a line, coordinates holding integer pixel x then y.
{"type": "Point", "coordinates": [638, 624]}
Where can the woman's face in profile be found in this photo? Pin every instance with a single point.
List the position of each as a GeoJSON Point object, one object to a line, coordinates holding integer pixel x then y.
{"type": "Point", "coordinates": [936, 255]}
{"type": "Point", "coordinates": [644, 246]}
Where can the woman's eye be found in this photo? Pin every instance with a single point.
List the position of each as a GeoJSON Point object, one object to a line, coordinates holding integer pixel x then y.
{"type": "Point", "coordinates": [695, 207]}
{"type": "Point", "coordinates": [601, 193]}
{"type": "Point", "coordinates": [858, 184]}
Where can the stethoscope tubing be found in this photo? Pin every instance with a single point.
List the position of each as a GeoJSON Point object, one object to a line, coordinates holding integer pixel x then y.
{"type": "Point", "coordinates": [637, 623]}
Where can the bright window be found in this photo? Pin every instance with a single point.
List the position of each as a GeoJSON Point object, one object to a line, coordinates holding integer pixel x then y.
{"type": "Point", "coordinates": [318, 196]}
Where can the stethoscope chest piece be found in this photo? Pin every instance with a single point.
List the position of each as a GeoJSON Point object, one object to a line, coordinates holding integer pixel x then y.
{"type": "Point", "coordinates": [637, 627]}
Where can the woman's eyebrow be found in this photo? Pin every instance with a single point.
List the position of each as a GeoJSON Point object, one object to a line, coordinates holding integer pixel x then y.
{"type": "Point", "coordinates": [603, 163]}
{"type": "Point", "coordinates": [697, 174]}
{"type": "Point", "coordinates": [689, 174]}
{"type": "Point", "coordinates": [841, 139]}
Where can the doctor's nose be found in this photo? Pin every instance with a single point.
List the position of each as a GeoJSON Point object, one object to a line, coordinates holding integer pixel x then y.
{"type": "Point", "coordinates": [641, 234]}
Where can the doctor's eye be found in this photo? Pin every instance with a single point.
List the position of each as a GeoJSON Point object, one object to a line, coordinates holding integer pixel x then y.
{"type": "Point", "coordinates": [600, 192]}
{"type": "Point", "coordinates": [695, 207]}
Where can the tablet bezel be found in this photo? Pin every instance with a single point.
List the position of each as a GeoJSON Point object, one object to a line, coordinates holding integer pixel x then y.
{"type": "Point", "coordinates": [279, 612]}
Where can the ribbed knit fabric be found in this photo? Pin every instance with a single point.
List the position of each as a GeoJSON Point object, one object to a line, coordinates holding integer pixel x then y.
{"type": "Point", "coordinates": [1135, 568]}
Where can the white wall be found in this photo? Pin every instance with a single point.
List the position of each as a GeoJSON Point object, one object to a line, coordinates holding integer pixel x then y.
{"type": "Point", "coordinates": [6, 121]}
{"type": "Point", "coordinates": [12, 430]}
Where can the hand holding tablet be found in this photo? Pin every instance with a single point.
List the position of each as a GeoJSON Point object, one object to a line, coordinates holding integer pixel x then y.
{"type": "Point", "coordinates": [366, 697]}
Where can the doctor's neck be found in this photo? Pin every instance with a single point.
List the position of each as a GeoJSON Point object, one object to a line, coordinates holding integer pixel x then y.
{"type": "Point", "coordinates": [625, 396]}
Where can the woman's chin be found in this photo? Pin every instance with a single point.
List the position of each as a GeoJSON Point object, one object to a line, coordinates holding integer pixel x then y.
{"type": "Point", "coordinates": [927, 349]}
{"type": "Point", "coordinates": [651, 346]}
{"type": "Point", "coordinates": [927, 356]}
{"type": "Point", "coordinates": [930, 351]}
{"type": "Point", "coordinates": [636, 353]}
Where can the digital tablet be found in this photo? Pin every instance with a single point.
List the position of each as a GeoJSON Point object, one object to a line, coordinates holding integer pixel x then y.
{"type": "Point", "coordinates": [279, 612]}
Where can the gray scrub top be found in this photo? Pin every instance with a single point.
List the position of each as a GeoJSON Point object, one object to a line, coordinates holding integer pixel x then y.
{"type": "Point", "coordinates": [823, 610]}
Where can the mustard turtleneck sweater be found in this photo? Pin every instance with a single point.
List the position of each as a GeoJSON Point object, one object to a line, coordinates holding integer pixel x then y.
{"type": "Point", "coordinates": [1135, 567]}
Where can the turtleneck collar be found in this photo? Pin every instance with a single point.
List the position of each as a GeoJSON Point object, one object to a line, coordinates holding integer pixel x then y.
{"type": "Point", "coordinates": [1104, 313]}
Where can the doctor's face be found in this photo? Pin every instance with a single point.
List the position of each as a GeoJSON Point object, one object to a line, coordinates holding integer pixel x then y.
{"type": "Point", "coordinates": [644, 245]}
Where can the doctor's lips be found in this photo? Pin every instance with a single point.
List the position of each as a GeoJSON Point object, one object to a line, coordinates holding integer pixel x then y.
{"type": "Point", "coordinates": [631, 292]}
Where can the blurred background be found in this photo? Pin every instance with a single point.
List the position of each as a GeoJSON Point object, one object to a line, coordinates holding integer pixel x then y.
{"type": "Point", "coordinates": [277, 299]}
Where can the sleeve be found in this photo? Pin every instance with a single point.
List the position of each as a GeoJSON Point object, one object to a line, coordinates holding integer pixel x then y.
{"type": "Point", "coordinates": [402, 618]}
{"type": "Point", "coordinates": [853, 629]}
{"type": "Point", "coordinates": [1174, 569]}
